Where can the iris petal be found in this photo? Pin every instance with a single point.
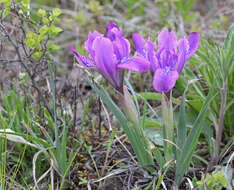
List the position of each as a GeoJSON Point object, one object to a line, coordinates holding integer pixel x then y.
{"type": "Point", "coordinates": [136, 63]}
{"type": "Point", "coordinates": [106, 60]}
{"type": "Point", "coordinates": [85, 61]}
{"type": "Point", "coordinates": [146, 49]}
{"type": "Point", "coordinates": [112, 31]}
{"type": "Point", "coordinates": [121, 47]}
{"type": "Point", "coordinates": [167, 40]}
{"type": "Point", "coordinates": [164, 80]}
{"type": "Point", "coordinates": [193, 39]}
{"type": "Point", "coordinates": [139, 43]}
{"type": "Point", "coordinates": [151, 55]}
{"type": "Point", "coordinates": [182, 49]}
{"type": "Point", "coordinates": [89, 43]}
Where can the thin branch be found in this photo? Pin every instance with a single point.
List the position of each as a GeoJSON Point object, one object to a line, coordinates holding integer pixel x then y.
{"type": "Point", "coordinates": [9, 60]}
{"type": "Point", "coordinates": [16, 47]}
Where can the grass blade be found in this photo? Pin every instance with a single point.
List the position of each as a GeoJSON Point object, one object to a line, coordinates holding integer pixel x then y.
{"type": "Point", "coordinates": [191, 141]}
{"type": "Point", "coordinates": [181, 128]}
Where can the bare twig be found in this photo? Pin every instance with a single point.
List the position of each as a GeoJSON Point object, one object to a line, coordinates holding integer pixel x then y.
{"type": "Point", "coordinates": [17, 49]}
{"type": "Point", "coordinates": [9, 60]}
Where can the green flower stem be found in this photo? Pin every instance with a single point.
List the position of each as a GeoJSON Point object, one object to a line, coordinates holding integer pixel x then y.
{"type": "Point", "coordinates": [135, 132]}
{"type": "Point", "coordinates": [167, 116]}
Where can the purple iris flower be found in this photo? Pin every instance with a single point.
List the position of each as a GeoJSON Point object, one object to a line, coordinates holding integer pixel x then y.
{"type": "Point", "coordinates": [169, 60]}
{"type": "Point", "coordinates": [110, 54]}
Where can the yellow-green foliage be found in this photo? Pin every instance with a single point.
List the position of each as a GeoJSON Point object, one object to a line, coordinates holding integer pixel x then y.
{"type": "Point", "coordinates": [215, 180]}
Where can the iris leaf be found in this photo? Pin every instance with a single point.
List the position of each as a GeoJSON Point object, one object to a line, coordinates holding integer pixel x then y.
{"type": "Point", "coordinates": [191, 141]}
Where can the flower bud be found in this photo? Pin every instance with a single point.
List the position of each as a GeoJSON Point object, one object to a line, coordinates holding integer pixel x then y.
{"type": "Point", "coordinates": [128, 106]}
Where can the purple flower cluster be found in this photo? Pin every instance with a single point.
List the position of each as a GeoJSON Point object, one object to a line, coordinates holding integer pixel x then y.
{"type": "Point", "coordinates": [110, 54]}
{"type": "Point", "coordinates": [169, 60]}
